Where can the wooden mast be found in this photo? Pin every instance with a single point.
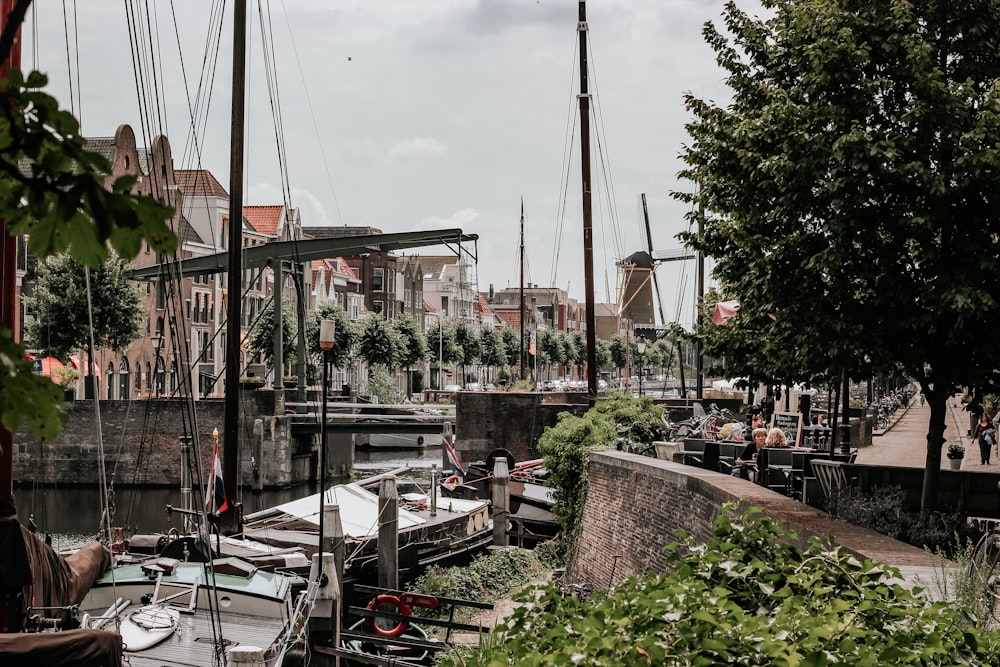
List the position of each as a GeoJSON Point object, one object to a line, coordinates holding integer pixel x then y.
{"type": "Point", "coordinates": [524, 344]}
{"type": "Point", "coordinates": [231, 426]}
{"type": "Point", "coordinates": [8, 264]}
{"type": "Point", "coordinates": [588, 228]}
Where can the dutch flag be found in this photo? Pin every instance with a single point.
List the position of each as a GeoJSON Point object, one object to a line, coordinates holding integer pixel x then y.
{"type": "Point", "coordinates": [215, 494]}
{"type": "Point", "coordinates": [456, 465]}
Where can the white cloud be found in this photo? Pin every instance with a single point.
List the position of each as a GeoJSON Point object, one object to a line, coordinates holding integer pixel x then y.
{"type": "Point", "coordinates": [459, 219]}
{"type": "Point", "coordinates": [415, 149]}
{"type": "Point", "coordinates": [430, 114]}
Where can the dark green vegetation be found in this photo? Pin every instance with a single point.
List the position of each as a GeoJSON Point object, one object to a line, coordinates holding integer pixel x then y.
{"type": "Point", "coordinates": [850, 195]}
{"type": "Point", "coordinates": [746, 597]}
{"type": "Point", "coordinates": [62, 202]}
{"type": "Point", "coordinates": [884, 511]}
{"type": "Point", "coordinates": [567, 445]}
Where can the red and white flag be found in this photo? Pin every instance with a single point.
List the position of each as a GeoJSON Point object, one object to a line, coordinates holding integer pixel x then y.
{"type": "Point", "coordinates": [456, 464]}
{"type": "Point", "coordinates": [215, 494]}
{"type": "Point", "coordinates": [723, 311]}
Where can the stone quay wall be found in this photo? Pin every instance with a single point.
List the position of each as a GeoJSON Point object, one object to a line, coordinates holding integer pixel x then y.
{"type": "Point", "coordinates": [142, 444]}
{"type": "Point", "coordinates": [508, 420]}
{"type": "Point", "coordinates": [635, 504]}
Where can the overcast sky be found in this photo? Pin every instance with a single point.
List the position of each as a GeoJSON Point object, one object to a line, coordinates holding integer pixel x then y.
{"type": "Point", "coordinates": [430, 114]}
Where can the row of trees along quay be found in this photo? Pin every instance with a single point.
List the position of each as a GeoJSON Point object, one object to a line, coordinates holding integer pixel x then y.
{"type": "Point", "coordinates": [849, 194]}
{"type": "Point", "coordinates": [487, 354]}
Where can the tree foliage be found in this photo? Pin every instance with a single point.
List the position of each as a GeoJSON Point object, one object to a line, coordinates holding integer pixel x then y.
{"type": "Point", "coordinates": [345, 334]}
{"type": "Point", "coordinates": [412, 344]}
{"type": "Point", "coordinates": [261, 337]}
{"type": "Point", "coordinates": [379, 344]}
{"type": "Point", "coordinates": [62, 321]}
{"type": "Point", "coordinates": [747, 596]}
{"type": "Point", "coordinates": [850, 194]}
{"type": "Point", "coordinates": [62, 203]}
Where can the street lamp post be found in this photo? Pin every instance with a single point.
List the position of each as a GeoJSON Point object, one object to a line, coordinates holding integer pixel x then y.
{"type": "Point", "coordinates": [326, 334]}
{"type": "Point", "coordinates": [640, 347]}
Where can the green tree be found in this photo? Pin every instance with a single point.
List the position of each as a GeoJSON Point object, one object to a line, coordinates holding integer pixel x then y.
{"type": "Point", "coordinates": [379, 344]}
{"type": "Point", "coordinates": [854, 176]}
{"type": "Point", "coordinates": [62, 320]}
{"type": "Point", "coordinates": [345, 334]}
{"type": "Point", "coordinates": [619, 352]}
{"type": "Point", "coordinates": [412, 345]}
{"type": "Point", "coordinates": [511, 345]}
{"type": "Point", "coordinates": [441, 345]}
{"type": "Point", "coordinates": [61, 202]}
{"type": "Point", "coordinates": [260, 339]}
{"type": "Point", "coordinates": [491, 348]}
{"type": "Point", "coordinates": [467, 346]}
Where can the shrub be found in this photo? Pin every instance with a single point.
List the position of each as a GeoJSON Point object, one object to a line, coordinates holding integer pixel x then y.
{"type": "Point", "coordinates": [884, 511]}
{"type": "Point", "coordinates": [748, 596]}
{"type": "Point", "coordinates": [489, 576]}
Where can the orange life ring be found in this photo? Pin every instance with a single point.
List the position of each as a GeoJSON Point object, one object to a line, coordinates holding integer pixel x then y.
{"type": "Point", "coordinates": [401, 608]}
{"type": "Point", "coordinates": [521, 475]}
{"type": "Point", "coordinates": [451, 481]}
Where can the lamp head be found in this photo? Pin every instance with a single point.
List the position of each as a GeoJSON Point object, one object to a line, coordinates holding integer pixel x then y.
{"type": "Point", "coordinates": [326, 333]}
{"type": "Point", "coordinates": [640, 345]}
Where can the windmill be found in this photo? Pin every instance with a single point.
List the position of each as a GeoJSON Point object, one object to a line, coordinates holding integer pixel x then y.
{"type": "Point", "coordinates": [639, 284]}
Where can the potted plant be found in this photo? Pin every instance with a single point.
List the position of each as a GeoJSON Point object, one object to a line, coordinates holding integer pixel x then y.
{"type": "Point", "coordinates": [66, 377]}
{"type": "Point", "coordinates": [955, 454]}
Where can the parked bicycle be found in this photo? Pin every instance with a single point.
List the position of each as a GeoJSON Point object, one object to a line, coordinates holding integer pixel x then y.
{"type": "Point", "coordinates": [984, 566]}
{"type": "Point", "coordinates": [701, 424]}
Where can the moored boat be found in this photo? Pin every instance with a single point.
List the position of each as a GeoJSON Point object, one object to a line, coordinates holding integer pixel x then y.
{"type": "Point", "coordinates": [457, 527]}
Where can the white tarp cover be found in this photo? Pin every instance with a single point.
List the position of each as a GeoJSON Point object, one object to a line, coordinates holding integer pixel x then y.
{"type": "Point", "coordinates": [359, 509]}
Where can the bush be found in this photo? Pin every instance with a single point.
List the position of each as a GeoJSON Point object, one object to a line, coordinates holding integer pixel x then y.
{"type": "Point", "coordinates": [748, 596]}
{"type": "Point", "coordinates": [884, 511]}
{"type": "Point", "coordinates": [489, 576]}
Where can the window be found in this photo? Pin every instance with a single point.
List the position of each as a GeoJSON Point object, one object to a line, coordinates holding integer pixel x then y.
{"type": "Point", "coordinates": [378, 307]}
{"type": "Point", "coordinates": [378, 280]}
{"type": "Point", "coordinates": [407, 298]}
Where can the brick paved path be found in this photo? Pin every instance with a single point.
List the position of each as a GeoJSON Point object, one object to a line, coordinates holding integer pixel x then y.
{"type": "Point", "coordinates": [904, 443]}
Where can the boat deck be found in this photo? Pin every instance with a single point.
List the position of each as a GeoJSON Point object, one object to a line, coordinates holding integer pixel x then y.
{"type": "Point", "coordinates": [192, 643]}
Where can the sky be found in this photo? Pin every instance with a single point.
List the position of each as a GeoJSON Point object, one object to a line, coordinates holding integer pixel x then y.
{"type": "Point", "coordinates": [409, 116]}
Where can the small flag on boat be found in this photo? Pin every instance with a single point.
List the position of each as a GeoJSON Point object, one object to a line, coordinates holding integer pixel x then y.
{"type": "Point", "coordinates": [215, 494]}
{"type": "Point", "coordinates": [456, 465]}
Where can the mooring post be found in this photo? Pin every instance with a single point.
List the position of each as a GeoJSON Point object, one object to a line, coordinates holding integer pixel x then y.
{"type": "Point", "coordinates": [501, 501]}
{"type": "Point", "coordinates": [258, 452]}
{"type": "Point", "coordinates": [388, 534]}
{"type": "Point", "coordinates": [434, 489]}
{"type": "Point", "coordinates": [446, 442]}
{"type": "Point", "coordinates": [335, 529]}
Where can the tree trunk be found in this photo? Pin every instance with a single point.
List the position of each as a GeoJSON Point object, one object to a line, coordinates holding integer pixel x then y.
{"type": "Point", "coordinates": [938, 402]}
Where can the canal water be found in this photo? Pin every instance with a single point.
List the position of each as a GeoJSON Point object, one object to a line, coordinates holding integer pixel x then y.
{"type": "Point", "coordinates": [72, 514]}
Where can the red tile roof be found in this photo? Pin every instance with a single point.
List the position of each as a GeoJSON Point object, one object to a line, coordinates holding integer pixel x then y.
{"type": "Point", "coordinates": [199, 183]}
{"type": "Point", "coordinates": [265, 219]}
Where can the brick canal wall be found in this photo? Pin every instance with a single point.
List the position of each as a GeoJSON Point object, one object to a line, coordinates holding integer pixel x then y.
{"type": "Point", "coordinates": [635, 504]}
{"type": "Point", "coordinates": [142, 444]}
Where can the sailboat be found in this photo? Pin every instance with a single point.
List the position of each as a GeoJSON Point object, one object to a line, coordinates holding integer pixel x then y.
{"type": "Point", "coordinates": [158, 610]}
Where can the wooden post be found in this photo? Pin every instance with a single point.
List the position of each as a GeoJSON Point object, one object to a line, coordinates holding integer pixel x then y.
{"type": "Point", "coordinates": [501, 501]}
{"type": "Point", "coordinates": [446, 438]}
{"type": "Point", "coordinates": [258, 452]}
{"type": "Point", "coordinates": [434, 489]}
{"type": "Point", "coordinates": [388, 534]}
{"type": "Point", "coordinates": [335, 529]}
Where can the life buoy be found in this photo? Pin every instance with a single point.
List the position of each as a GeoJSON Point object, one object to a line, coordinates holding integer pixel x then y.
{"type": "Point", "coordinates": [401, 608]}
{"type": "Point", "coordinates": [451, 481]}
{"type": "Point", "coordinates": [521, 475]}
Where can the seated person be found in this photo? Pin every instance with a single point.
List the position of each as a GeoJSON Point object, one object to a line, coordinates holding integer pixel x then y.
{"type": "Point", "coordinates": [776, 438]}
{"type": "Point", "coordinates": [750, 451]}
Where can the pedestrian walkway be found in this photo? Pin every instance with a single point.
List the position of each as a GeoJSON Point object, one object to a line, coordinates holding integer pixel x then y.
{"type": "Point", "coordinates": [904, 443]}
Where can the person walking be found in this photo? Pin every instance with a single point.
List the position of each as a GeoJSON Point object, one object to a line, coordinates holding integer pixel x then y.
{"type": "Point", "coordinates": [985, 435]}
